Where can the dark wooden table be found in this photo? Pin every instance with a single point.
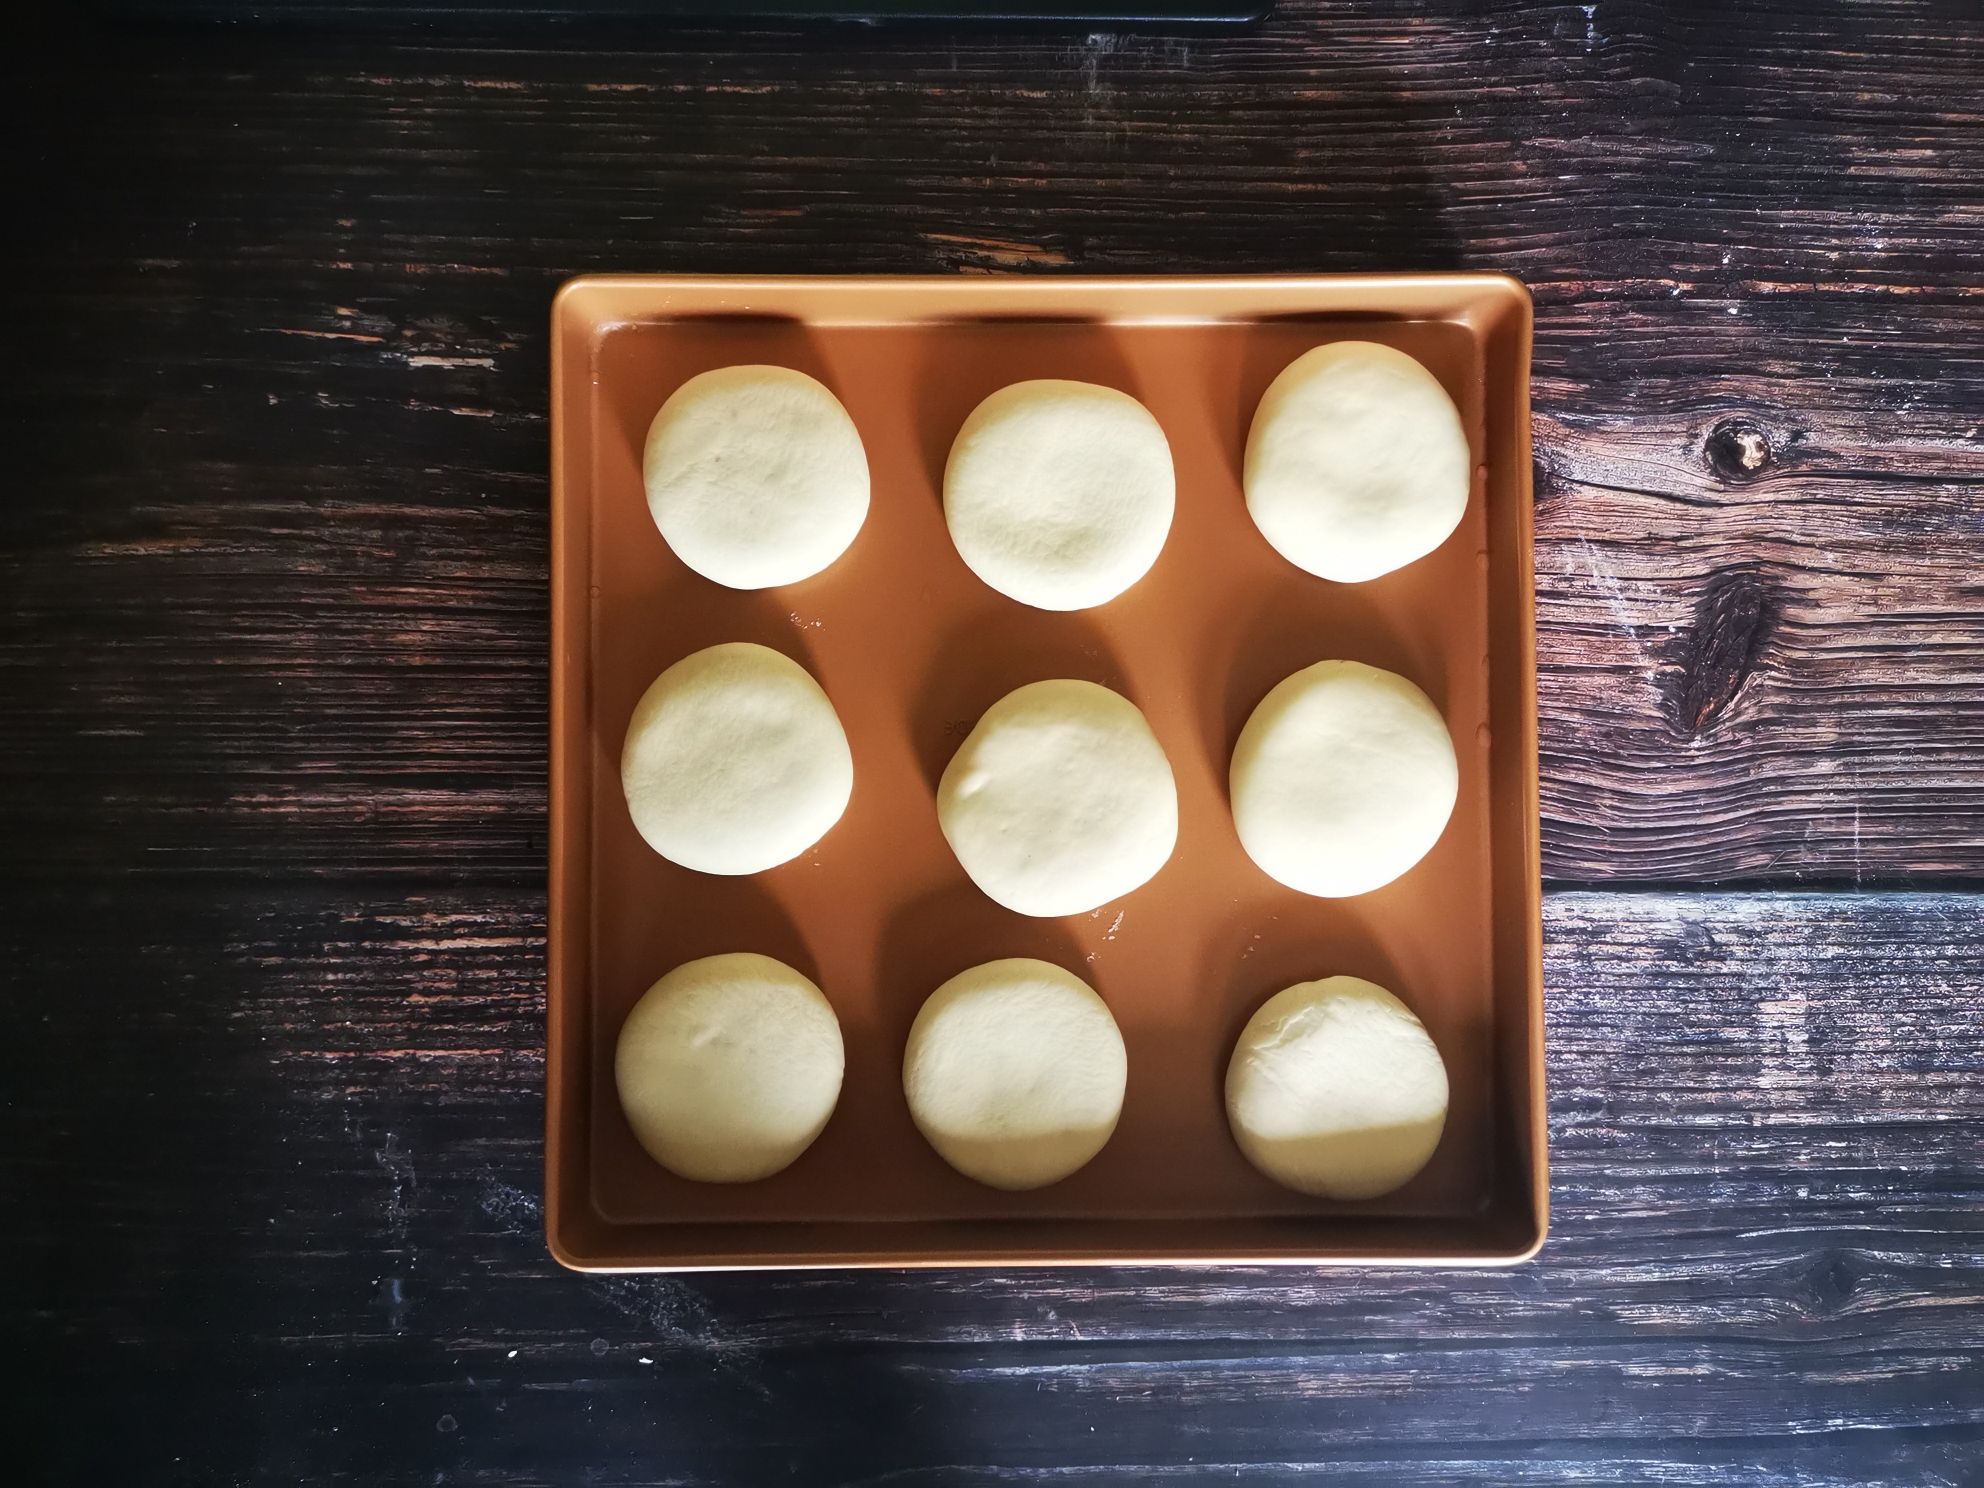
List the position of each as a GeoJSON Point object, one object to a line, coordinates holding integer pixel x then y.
{"type": "Point", "coordinates": [272, 668]}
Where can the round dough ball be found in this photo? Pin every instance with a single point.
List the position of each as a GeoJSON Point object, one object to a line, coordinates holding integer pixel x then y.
{"type": "Point", "coordinates": [1335, 1089]}
{"type": "Point", "coordinates": [1014, 1073]}
{"type": "Point", "coordinates": [729, 1067]}
{"type": "Point", "coordinates": [1060, 800]}
{"type": "Point", "coordinates": [1357, 463]}
{"type": "Point", "coordinates": [1343, 778]}
{"type": "Point", "coordinates": [735, 761]}
{"type": "Point", "coordinates": [1059, 494]}
{"type": "Point", "coordinates": [756, 476]}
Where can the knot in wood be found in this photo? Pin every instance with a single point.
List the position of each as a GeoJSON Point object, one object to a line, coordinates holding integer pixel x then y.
{"type": "Point", "coordinates": [1738, 450]}
{"type": "Point", "coordinates": [1712, 659]}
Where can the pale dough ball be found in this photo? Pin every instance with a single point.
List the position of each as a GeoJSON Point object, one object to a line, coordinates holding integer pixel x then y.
{"type": "Point", "coordinates": [1343, 778]}
{"type": "Point", "coordinates": [729, 1067]}
{"type": "Point", "coordinates": [1014, 1073]}
{"type": "Point", "coordinates": [1357, 462]}
{"type": "Point", "coordinates": [1335, 1089]}
{"type": "Point", "coordinates": [735, 761]}
{"type": "Point", "coordinates": [755, 476]}
{"type": "Point", "coordinates": [1059, 494]}
{"type": "Point", "coordinates": [1060, 799]}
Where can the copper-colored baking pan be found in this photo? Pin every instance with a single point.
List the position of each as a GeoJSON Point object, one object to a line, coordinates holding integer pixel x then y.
{"type": "Point", "coordinates": [911, 648]}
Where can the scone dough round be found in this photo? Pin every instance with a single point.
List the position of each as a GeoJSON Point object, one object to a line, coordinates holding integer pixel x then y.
{"type": "Point", "coordinates": [1335, 1089]}
{"type": "Point", "coordinates": [1014, 1073]}
{"type": "Point", "coordinates": [1060, 799]}
{"type": "Point", "coordinates": [1357, 463]}
{"type": "Point", "coordinates": [1060, 494]}
{"type": "Point", "coordinates": [735, 761]}
{"type": "Point", "coordinates": [1343, 778]}
{"type": "Point", "coordinates": [755, 476]}
{"type": "Point", "coordinates": [729, 1067]}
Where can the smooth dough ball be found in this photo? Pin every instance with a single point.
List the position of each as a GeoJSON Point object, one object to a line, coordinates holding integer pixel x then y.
{"type": "Point", "coordinates": [735, 761]}
{"type": "Point", "coordinates": [756, 476]}
{"type": "Point", "coordinates": [1060, 800]}
{"type": "Point", "coordinates": [1357, 463]}
{"type": "Point", "coordinates": [1335, 1089]}
{"type": "Point", "coordinates": [1343, 778]}
{"type": "Point", "coordinates": [1014, 1073]}
{"type": "Point", "coordinates": [1059, 494]}
{"type": "Point", "coordinates": [729, 1067]}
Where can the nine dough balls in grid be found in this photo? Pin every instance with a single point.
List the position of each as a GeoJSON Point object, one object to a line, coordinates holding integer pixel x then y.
{"type": "Point", "coordinates": [1060, 495]}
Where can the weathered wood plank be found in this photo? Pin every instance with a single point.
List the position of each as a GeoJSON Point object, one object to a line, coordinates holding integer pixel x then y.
{"type": "Point", "coordinates": [295, 1188]}
{"type": "Point", "coordinates": [271, 691]}
{"type": "Point", "coordinates": [1768, 673]}
{"type": "Point", "coordinates": [273, 558]}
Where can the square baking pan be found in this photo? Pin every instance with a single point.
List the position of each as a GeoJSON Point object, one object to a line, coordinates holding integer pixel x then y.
{"type": "Point", "coordinates": [911, 648]}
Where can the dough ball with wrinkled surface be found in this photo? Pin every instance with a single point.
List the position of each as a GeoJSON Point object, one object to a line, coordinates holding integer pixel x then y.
{"type": "Point", "coordinates": [1059, 494]}
{"type": "Point", "coordinates": [756, 476]}
{"type": "Point", "coordinates": [735, 761]}
{"type": "Point", "coordinates": [1357, 463]}
{"type": "Point", "coordinates": [729, 1067]}
{"type": "Point", "coordinates": [1343, 778]}
{"type": "Point", "coordinates": [1060, 800]}
{"type": "Point", "coordinates": [1335, 1089]}
{"type": "Point", "coordinates": [1014, 1073]}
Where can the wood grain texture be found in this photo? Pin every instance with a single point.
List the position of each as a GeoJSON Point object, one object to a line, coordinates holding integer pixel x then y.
{"type": "Point", "coordinates": [312, 1252]}
{"type": "Point", "coordinates": [274, 564]}
{"type": "Point", "coordinates": [272, 691]}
